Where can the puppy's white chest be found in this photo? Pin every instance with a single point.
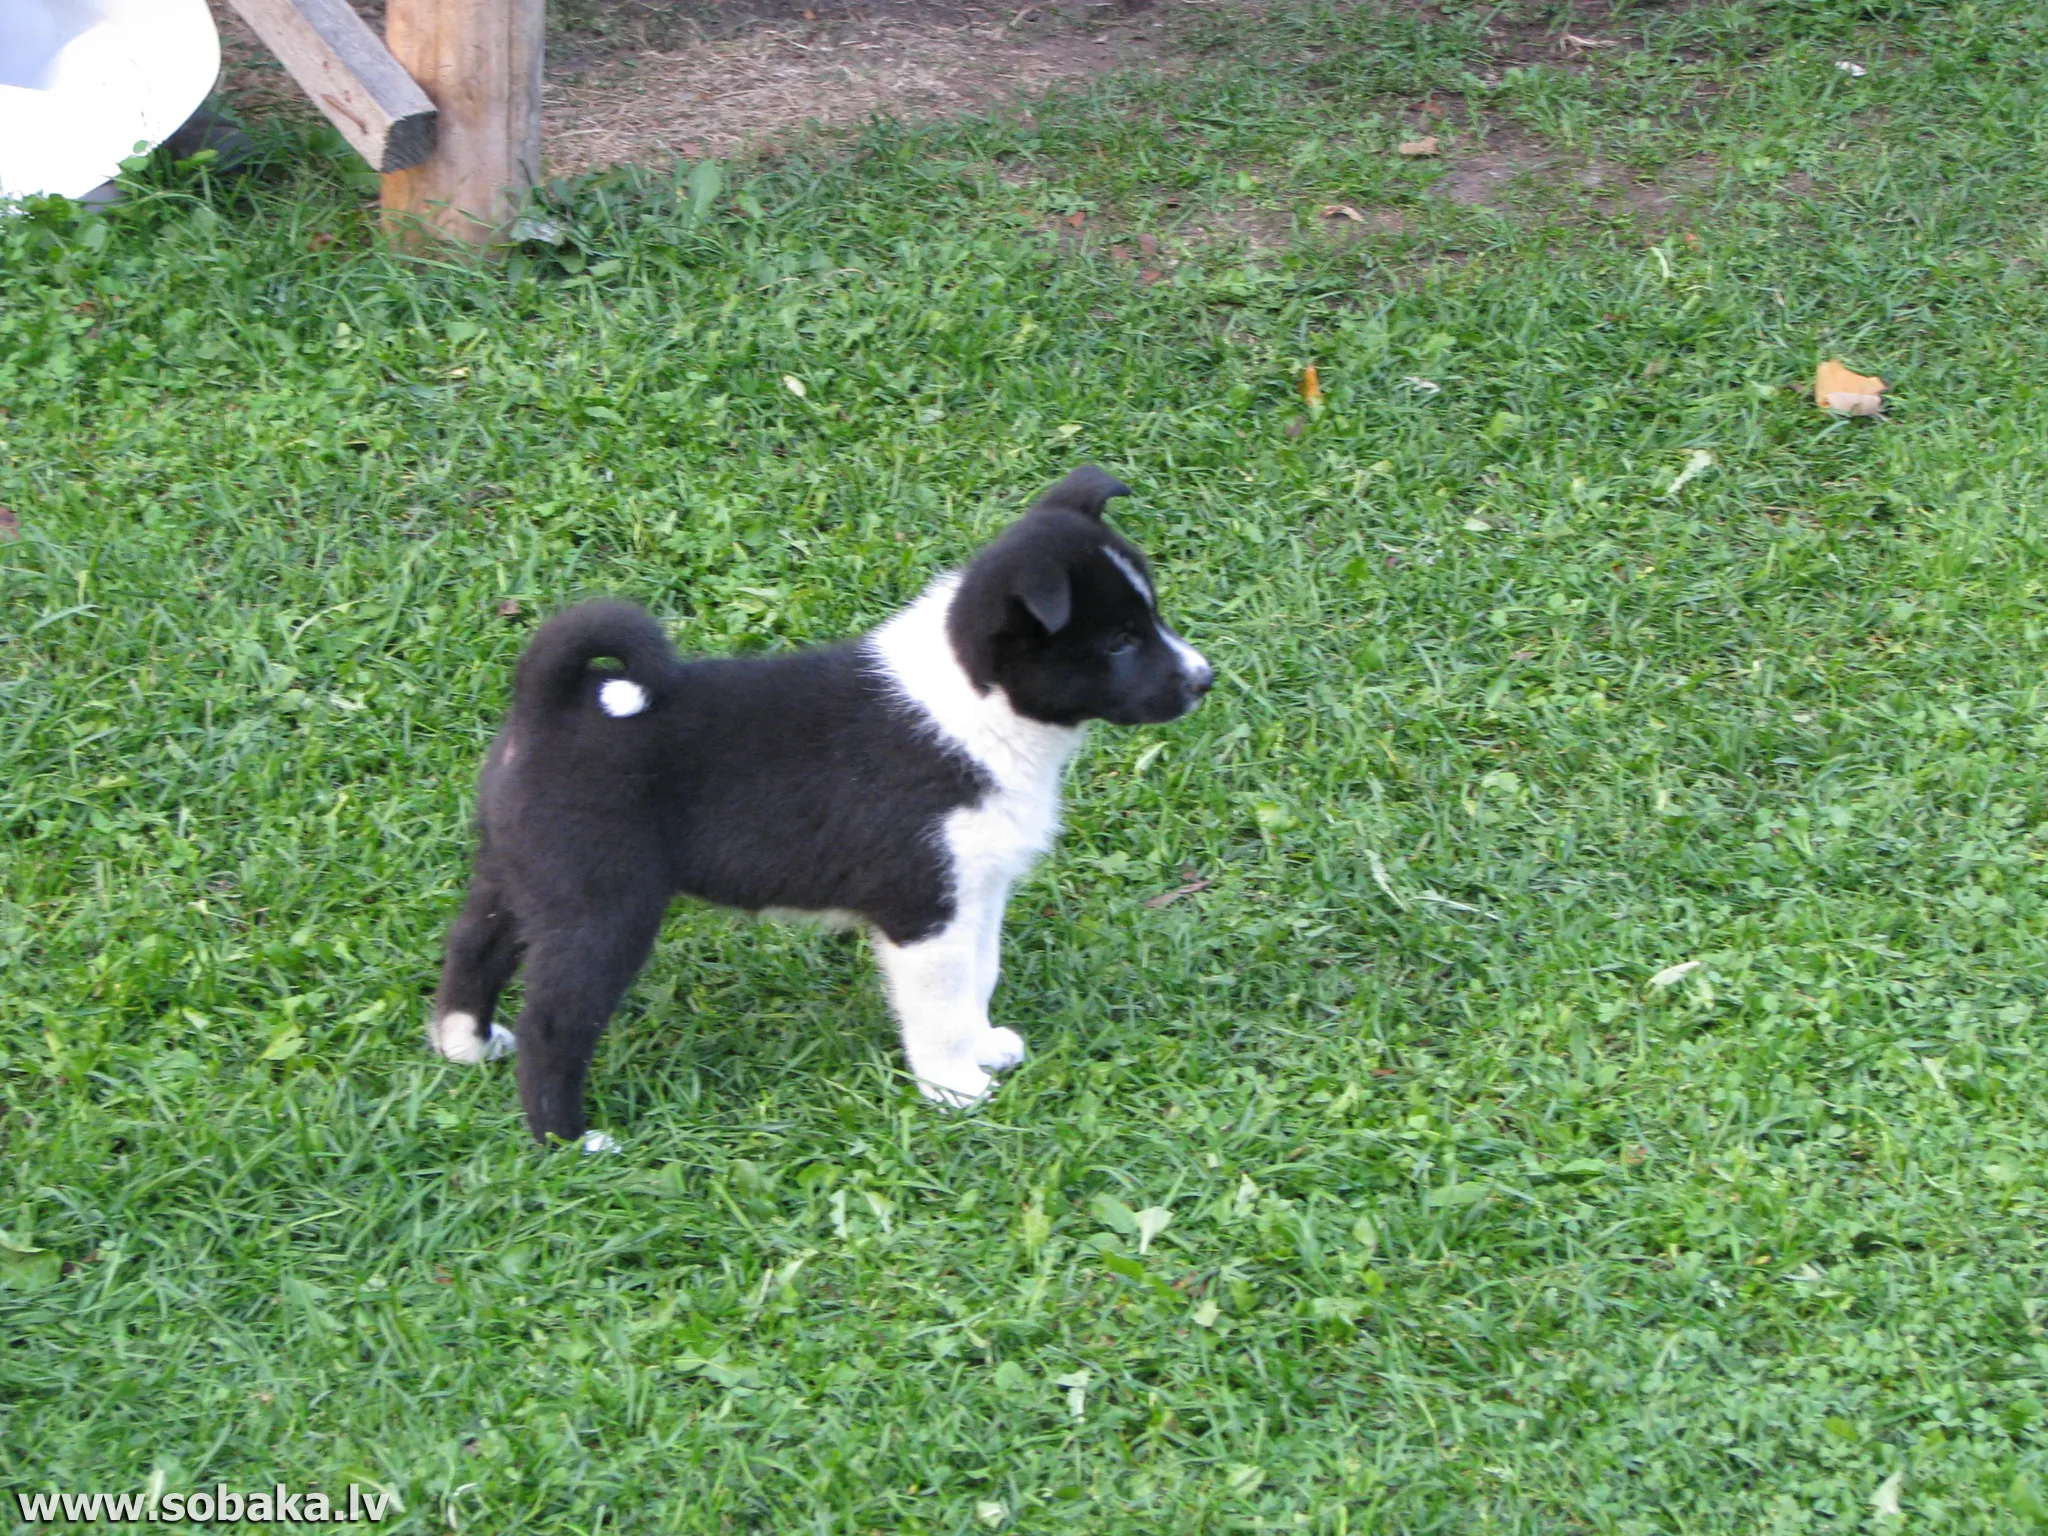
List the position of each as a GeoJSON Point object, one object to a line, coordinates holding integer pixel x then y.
{"type": "Point", "coordinates": [1000, 836]}
{"type": "Point", "coordinates": [1007, 833]}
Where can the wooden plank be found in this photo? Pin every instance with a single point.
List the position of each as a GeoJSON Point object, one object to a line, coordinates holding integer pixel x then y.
{"type": "Point", "coordinates": [350, 75]}
{"type": "Point", "coordinates": [479, 60]}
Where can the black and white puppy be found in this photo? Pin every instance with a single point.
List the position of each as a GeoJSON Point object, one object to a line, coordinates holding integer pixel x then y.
{"type": "Point", "coordinates": [902, 782]}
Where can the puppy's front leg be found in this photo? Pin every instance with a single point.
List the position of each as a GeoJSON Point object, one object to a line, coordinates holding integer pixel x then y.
{"type": "Point", "coordinates": [939, 988]}
{"type": "Point", "coordinates": [1000, 1049]}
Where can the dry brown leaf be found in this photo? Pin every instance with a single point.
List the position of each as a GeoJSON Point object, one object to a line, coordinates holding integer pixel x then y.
{"type": "Point", "coordinates": [1151, 275]}
{"type": "Point", "coordinates": [1342, 211]}
{"type": "Point", "coordinates": [1077, 218]}
{"type": "Point", "coordinates": [1417, 147]}
{"type": "Point", "coordinates": [1168, 898]}
{"type": "Point", "coordinates": [10, 525]}
{"type": "Point", "coordinates": [1149, 244]}
{"type": "Point", "coordinates": [509, 609]}
{"type": "Point", "coordinates": [1311, 387]}
{"type": "Point", "coordinates": [1836, 388]}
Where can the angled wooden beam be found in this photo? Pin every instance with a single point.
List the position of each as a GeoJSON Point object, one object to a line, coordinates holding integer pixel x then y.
{"type": "Point", "coordinates": [480, 62]}
{"type": "Point", "coordinates": [350, 75]}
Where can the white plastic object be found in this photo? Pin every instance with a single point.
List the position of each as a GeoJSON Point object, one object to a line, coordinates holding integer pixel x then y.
{"type": "Point", "coordinates": [82, 82]}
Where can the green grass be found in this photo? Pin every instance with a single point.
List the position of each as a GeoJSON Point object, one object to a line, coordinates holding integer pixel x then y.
{"type": "Point", "coordinates": [1474, 1228]}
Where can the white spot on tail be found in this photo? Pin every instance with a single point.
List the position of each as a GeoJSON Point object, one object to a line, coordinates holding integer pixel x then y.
{"type": "Point", "coordinates": [455, 1036]}
{"type": "Point", "coordinates": [621, 696]}
{"type": "Point", "coordinates": [1135, 576]}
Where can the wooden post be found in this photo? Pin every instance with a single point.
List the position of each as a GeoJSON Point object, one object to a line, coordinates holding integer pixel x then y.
{"type": "Point", "coordinates": [337, 59]}
{"type": "Point", "coordinates": [479, 62]}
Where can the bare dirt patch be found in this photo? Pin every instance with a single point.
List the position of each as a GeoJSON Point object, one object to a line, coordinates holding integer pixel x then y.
{"type": "Point", "coordinates": [1257, 229]}
{"type": "Point", "coordinates": [631, 81]}
{"type": "Point", "coordinates": [649, 81]}
{"type": "Point", "coordinates": [745, 91]}
{"type": "Point", "coordinates": [1506, 172]}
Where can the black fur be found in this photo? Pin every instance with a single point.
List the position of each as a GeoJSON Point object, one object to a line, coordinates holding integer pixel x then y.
{"type": "Point", "coordinates": [800, 781]}
{"type": "Point", "coordinates": [1010, 624]}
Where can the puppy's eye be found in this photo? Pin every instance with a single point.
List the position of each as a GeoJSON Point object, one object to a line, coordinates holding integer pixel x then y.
{"type": "Point", "coordinates": [1122, 644]}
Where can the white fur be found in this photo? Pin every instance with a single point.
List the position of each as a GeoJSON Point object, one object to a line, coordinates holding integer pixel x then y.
{"type": "Point", "coordinates": [916, 654]}
{"type": "Point", "coordinates": [1193, 664]}
{"type": "Point", "coordinates": [940, 987]}
{"type": "Point", "coordinates": [1135, 576]}
{"type": "Point", "coordinates": [621, 696]}
{"type": "Point", "coordinates": [454, 1036]}
{"type": "Point", "coordinates": [596, 1143]}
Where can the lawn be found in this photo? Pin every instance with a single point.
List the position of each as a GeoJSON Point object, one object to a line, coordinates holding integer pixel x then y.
{"type": "Point", "coordinates": [1486, 1215]}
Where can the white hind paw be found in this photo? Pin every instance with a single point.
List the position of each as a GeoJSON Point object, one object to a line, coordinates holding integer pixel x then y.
{"type": "Point", "coordinates": [454, 1035]}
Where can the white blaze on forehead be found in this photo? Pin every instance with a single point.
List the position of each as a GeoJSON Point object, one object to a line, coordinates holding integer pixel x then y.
{"type": "Point", "coordinates": [621, 696]}
{"type": "Point", "coordinates": [1131, 572]}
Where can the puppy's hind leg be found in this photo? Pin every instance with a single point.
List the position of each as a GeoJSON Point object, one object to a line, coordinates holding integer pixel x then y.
{"type": "Point", "coordinates": [483, 952]}
{"type": "Point", "coordinates": [575, 976]}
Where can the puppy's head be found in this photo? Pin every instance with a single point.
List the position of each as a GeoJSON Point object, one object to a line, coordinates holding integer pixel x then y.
{"type": "Point", "coordinates": [1060, 613]}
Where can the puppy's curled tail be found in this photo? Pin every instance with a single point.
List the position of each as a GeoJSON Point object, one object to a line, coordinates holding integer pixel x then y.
{"type": "Point", "coordinates": [554, 673]}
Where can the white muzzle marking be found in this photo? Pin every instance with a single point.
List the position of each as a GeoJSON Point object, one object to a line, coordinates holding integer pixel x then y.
{"type": "Point", "coordinates": [1194, 666]}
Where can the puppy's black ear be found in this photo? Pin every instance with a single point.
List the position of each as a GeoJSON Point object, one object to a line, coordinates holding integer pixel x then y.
{"type": "Point", "coordinates": [1046, 594]}
{"type": "Point", "coordinates": [1086, 490]}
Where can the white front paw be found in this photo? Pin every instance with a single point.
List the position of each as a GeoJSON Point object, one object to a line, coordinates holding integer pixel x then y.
{"type": "Point", "coordinates": [998, 1050]}
{"type": "Point", "coordinates": [954, 1084]}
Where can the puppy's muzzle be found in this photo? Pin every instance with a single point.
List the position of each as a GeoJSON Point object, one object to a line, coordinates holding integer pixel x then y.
{"type": "Point", "coordinates": [1197, 677]}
